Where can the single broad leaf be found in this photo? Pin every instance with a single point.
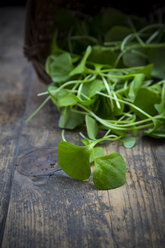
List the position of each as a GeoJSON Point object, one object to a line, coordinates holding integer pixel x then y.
{"type": "Point", "coordinates": [128, 141]}
{"type": "Point", "coordinates": [96, 152]}
{"type": "Point", "coordinates": [64, 98]}
{"type": "Point", "coordinates": [70, 120]}
{"type": "Point", "coordinates": [74, 160]}
{"type": "Point", "coordinates": [109, 171]}
{"type": "Point", "coordinates": [156, 56]}
{"type": "Point", "coordinates": [117, 33]}
{"type": "Point", "coordinates": [92, 128]}
{"type": "Point", "coordinates": [80, 68]}
{"type": "Point", "coordinates": [59, 67]}
{"type": "Point", "coordinates": [135, 86]}
{"type": "Point", "coordinates": [145, 100]}
{"type": "Point", "coordinates": [135, 57]}
{"type": "Point", "coordinates": [90, 88]}
{"type": "Point", "coordinates": [102, 55]}
{"type": "Point", "coordinates": [112, 17]}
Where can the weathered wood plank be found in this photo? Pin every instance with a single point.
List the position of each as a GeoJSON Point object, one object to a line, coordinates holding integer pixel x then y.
{"type": "Point", "coordinates": [61, 212]}
{"type": "Point", "coordinates": [158, 149]}
{"type": "Point", "coordinates": [140, 201]}
{"type": "Point", "coordinates": [14, 77]}
{"type": "Point", "coordinates": [57, 211]}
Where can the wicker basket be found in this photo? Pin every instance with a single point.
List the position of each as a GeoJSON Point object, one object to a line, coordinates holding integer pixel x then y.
{"type": "Point", "coordinates": [39, 25]}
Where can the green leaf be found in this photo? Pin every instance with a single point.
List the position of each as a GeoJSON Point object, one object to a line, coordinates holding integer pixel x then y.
{"type": "Point", "coordinates": [135, 86]}
{"type": "Point", "coordinates": [52, 89]}
{"type": "Point", "coordinates": [128, 141]}
{"type": "Point", "coordinates": [58, 67]}
{"type": "Point", "coordinates": [158, 131]}
{"type": "Point", "coordinates": [109, 172]}
{"type": "Point", "coordinates": [64, 98]}
{"type": "Point", "coordinates": [96, 152]}
{"type": "Point", "coordinates": [92, 128]}
{"type": "Point", "coordinates": [146, 70]}
{"type": "Point", "coordinates": [160, 90]}
{"type": "Point", "coordinates": [135, 57]}
{"type": "Point", "coordinates": [116, 80]}
{"type": "Point", "coordinates": [87, 102]}
{"type": "Point", "coordinates": [103, 109]}
{"type": "Point", "coordinates": [90, 89]}
{"type": "Point", "coordinates": [74, 160]}
{"type": "Point", "coordinates": [80, 68]}
{"type": "Point", "coordinates": [156, 56]}
{"type": "Point", "coordinates": [101, 55]}
{"type": "Point", "coordinates": [163, 96]}
{"type": "Point", "coordinates": [54, 47]}
{"type": "Point", "coordinates": [116, 111]}
{"type": "Point", "coordinates": [70, 120]}
{"type": "Point", "coordinates": [145, 100]}
{"type": "Point", "coordinates": [86, 141]}
{"type": "Point", "coordinates": [117, 33]}
{"type": "Point", "coordinates": [159, 108]}
{"type": "Point", "coordinates": [112, 17]}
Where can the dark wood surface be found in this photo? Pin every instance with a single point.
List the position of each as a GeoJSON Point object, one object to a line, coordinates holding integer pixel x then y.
{"type": "Point", "coordinates": [56, 211]}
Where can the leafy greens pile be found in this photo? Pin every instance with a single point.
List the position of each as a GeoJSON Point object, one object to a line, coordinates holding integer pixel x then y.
{"type": "Point", "coordinates": [108, 73]}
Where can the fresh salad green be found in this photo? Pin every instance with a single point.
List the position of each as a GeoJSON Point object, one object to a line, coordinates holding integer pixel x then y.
{"type": "Point", "coordinates": [107, 73]}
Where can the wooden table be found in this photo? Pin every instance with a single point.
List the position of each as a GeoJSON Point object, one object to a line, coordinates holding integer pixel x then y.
{"type": "Point", "coordinates": [56, 211]}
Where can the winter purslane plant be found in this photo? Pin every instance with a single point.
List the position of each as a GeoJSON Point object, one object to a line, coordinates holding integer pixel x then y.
{"type": "Point", "coordinates": [107, 74]}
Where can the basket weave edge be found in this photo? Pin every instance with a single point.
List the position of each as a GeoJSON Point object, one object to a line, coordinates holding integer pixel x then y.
{"type": "Point", "coordinates": [30, 50]}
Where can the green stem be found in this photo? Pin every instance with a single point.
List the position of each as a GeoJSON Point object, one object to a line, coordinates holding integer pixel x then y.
{"type": "Point", "coordinates": [43, 93]}
{"type": "Point", "coordinates": [136, 33]}
{"type": "Point", "coordinates": [153, 45]}
{"type": "Point", "coordinates": [95, 142]}
{"type": "Point", "coordinates": [86, 37]}
{"type": "Point", "coordinates": [159, 25]}
{"type": "Point", "coordinates": [109, 92]}
{"type": "Point", "coordinates": [128, 103]}
{"type": "Point", "coordinates": [38, 109]}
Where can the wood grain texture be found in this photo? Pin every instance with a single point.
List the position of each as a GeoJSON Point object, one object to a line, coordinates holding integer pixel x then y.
{"type": "Point", "coordinates": [14, 84]}
{"type": "Point", "coordinates": [56, 211]}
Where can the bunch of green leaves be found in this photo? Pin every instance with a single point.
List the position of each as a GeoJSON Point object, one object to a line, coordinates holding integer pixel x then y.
{"type": "Point", "coordinates": [116, 38]}
{"type": "Point", "coordinates": [105, 76]}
